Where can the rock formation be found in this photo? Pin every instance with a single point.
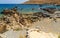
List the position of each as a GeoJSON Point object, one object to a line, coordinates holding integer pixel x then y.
{"type": "Point", "coordinates": [12, 19]}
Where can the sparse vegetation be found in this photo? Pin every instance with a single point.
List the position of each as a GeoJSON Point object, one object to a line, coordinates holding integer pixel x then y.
{"type": "Point", "coordinates": [22, 36]}
{"type": "Point", "coordinates": [17, 29]}
{"type": "Point", "coordinates": [59, 36]}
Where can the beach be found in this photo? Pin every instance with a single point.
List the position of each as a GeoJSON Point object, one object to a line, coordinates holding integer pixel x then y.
{"type": "Point", "coordinates": [17, 22]}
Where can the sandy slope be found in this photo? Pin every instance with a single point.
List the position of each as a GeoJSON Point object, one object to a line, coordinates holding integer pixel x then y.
{"type": "Point", "coordinates": [35, 33]}
{"type": "Point", "coordinates": [48, 25]}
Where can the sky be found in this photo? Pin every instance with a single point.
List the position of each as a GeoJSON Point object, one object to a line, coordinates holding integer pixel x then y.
{"type": "Point", "coordinates": [12, 1]}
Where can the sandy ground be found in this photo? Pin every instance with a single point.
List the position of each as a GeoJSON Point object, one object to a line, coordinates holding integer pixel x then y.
{"type": "Point", "coordinates": [46, 25]}
{"type": "Point", "coordinates": [35, 33]}
{"type": "Point", "coordinates": [48, 28]}
{"type": "Point", "coordinates": [12, 34]}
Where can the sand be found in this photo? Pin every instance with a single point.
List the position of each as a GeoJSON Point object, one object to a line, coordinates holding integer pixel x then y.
{"type": "Point", "coordinates": [35, 34]}
{"type": "Point", "coordinates": [48, 25]}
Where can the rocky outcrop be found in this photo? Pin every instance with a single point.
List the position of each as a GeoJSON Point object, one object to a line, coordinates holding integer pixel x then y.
{"type": "Point", "coordinates": [14, 20]}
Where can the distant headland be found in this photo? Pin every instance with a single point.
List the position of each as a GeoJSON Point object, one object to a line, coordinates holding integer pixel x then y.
{"type": "Point", "coordinates": [42, 2]}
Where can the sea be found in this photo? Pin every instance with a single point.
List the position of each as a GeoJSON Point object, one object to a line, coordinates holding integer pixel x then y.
{"type": "Point", "coordinates": [28, 8]}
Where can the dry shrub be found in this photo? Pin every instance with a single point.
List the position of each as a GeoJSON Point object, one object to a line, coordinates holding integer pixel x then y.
{"type": "Point", "coordinates": [22, 36]}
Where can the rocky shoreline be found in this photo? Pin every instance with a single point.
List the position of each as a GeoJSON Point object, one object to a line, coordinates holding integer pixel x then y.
{"type": "Point", "coordinates": [12, 19]}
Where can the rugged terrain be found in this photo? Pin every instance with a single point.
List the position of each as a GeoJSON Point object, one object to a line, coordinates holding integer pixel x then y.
{"type": "Point", "coordinates": [12, 19]}
{"type": "Point", "coordinates": [13, 22]}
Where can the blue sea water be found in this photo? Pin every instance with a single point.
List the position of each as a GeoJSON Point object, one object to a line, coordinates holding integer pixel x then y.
{"type": "Point", "coordinates": [27, 8]}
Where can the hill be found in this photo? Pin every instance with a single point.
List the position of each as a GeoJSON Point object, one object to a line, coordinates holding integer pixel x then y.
{"type": "Point", "coordinates": [42, 2]}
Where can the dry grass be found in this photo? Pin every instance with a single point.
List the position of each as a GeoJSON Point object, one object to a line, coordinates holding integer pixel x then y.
{"type": "Point", "coordinates": [22, 36]}
{"type": "Point", "coordinates": [59, 36]}
{"type": "Point", "coordinates": [2, 28]}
